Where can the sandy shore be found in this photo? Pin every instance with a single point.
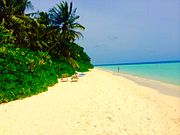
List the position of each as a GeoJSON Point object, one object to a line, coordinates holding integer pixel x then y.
{"type": "Point", "coordinates": [98, 104]}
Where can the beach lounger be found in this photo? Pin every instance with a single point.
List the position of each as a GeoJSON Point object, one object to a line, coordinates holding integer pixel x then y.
{"type": "Point", "coordinates": [64, 78]}
{"type": "Point", "coordinates": [81, 74]}
{"type": "Point", "coordinates": [74, 78]}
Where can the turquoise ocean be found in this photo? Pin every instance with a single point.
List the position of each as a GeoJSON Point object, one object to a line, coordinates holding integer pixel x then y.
{"type": "Point", "coordinates": [164, 72]}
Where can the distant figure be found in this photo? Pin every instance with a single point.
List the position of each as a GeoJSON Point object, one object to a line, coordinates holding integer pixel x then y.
{"type": "Point", "coordinates": [118, 69]}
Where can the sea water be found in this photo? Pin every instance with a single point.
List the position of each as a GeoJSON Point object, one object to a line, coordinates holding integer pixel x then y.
{"type": "Point", "coordinates": [165, 72]}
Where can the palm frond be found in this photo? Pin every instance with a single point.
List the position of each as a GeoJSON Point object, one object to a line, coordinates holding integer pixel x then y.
{"type": "Point", "coordinates": [73, 62]}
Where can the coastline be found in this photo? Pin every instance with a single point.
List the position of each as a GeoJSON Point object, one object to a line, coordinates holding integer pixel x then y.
{"type": "Point", "coordinates": [168, 72]}
{"type": "Point", "coordinates": [98, 104]}
{"type": "Point", "coordinates": [162, 87]}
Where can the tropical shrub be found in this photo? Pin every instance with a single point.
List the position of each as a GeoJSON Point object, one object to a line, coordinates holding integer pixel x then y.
{"type": "Point", "coordinates": [5, 36]}
{"type": "Point", "coordinates": [83, 60]}
{"type": "Point", "coordinates": [24, 73]}
{"type": "Point", "coordinates": [61, 66]}
{"type": "Point", "coordinates": [84, 66]}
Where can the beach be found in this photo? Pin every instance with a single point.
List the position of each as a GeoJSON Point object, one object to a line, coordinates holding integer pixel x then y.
{"type": "Point", "coordinates": [100, 103]}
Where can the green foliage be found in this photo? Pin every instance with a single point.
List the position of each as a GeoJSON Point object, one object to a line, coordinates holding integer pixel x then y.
{"type": "Point", "coordinates": [84, 66]}
{"type": "Point", "coordinates": [27, 45]}
{"type": "Point", "coordinates": [61, 66]}
{"type": "Point", "coordinates": [5, 36]}
{"type": "Point", "coordinates": [24, 73]}
{"type": "Point", "coordinates": [83, 60]}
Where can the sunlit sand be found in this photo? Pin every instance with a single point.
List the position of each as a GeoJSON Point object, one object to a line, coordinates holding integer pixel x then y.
{"type": "Point", "coordinates": [99, 103]}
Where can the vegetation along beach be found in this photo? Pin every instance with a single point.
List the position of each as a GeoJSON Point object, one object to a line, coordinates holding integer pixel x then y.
{"type": "Point", "coordinates": [50, 86]}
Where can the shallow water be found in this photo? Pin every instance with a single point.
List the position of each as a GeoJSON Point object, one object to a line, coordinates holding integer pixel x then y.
{"type": "Point", "coordinates": [165, 72]}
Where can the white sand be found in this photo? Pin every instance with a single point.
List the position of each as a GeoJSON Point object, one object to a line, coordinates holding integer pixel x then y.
{"type": "Point", "coordinates": [98, 104]}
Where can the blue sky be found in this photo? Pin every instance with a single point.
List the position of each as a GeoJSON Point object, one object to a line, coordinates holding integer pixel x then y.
{"type": "Point", "coordinates": [119, 31]}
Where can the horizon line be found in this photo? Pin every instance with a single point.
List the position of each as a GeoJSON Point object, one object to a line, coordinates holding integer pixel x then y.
{"type": "Point", "coordinates": [133, 63]}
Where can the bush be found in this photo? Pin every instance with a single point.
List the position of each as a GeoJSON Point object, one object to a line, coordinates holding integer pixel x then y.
{"type": "Point", "coordinates": [83, 60]}
{"type": "Point", "coordinates": [62, 67]}
{"type": "Point", "coordinates": [84, 66]}
{"type": "Point", "coordinates": [24, 73]}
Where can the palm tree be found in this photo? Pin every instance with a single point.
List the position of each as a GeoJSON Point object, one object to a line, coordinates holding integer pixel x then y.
{"type": "Point", "coordinates": [43, 18]}
{"type": "Point", "coordinates": [12, 15]}
{"type": "Point", "coordinates": [16, 8]}
{"type": "Point", "coordinates": [21, 6]}
{"type": "Point", "coordinates": [64, 17]}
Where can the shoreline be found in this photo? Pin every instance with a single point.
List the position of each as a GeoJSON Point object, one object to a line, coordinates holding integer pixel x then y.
{"type": "Point", "coordinates": [162, 87]}
{"type": "Point", "coordinates": [163, 72]}
{"type": "Point", "coordinates": [151, 62]}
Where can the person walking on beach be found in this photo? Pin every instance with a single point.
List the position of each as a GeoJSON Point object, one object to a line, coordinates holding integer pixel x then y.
{"type": "Point", "coordinates": [118, 69]}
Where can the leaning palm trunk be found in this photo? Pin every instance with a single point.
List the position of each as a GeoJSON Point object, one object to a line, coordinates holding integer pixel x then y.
{"type": "Point", "coordinates": [63, 17]}
{"type": "Point", "coordinates": [72, 62]}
